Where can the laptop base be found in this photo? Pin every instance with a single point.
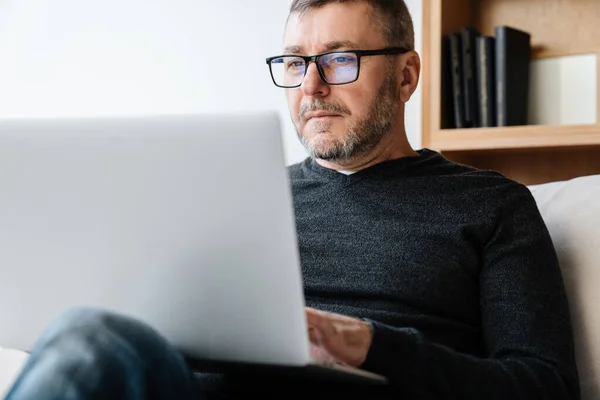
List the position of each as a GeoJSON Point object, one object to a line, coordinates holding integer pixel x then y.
{"type": "Point", "coordinates": [310, 372]}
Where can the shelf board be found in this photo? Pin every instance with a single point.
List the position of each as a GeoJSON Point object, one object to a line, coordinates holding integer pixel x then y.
{"type": "Point", "coordinates": [515, 137]}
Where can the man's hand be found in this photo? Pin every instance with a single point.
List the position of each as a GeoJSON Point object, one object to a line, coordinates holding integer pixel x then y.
{"type": "Point", "coordinates": [335, 337]}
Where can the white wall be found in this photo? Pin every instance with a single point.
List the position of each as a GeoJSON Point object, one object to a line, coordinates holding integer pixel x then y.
{"type": "Point", "coordinates": [116, 57]}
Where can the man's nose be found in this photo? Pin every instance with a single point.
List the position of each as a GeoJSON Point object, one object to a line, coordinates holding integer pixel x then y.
{"type": "Point", "coordinates": [313, 84]}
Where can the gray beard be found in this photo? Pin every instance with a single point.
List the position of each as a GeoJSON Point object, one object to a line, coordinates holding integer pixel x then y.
{"type": "Point", "coordinates": [363, 135]}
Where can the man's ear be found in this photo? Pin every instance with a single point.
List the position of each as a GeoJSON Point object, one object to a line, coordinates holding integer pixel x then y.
{"type": "Point", "coordinates": [409, 74]}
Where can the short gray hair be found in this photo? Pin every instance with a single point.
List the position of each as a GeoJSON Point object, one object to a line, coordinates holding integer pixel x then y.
{"type": "Point", "coordinates": [392, 16]}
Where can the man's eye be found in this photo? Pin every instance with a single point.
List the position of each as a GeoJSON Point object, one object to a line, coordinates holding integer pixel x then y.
{"type": "Point", "coordinates": [295, 64]}
{"type": "Point", "coordinates": [343, 59]}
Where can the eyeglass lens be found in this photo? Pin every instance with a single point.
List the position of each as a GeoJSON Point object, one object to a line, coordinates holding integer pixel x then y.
{"type": "Point", "coordinates": [337, 68]}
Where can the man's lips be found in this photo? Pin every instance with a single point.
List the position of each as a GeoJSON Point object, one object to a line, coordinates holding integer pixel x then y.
{"type": "Point", "coordinates": [319, 114]}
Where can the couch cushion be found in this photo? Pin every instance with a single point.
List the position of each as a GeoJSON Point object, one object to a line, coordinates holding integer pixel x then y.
{"type": "Point", "coordinates": [11, 362]}
{"type": "Point", "coordinates": [571, 210]}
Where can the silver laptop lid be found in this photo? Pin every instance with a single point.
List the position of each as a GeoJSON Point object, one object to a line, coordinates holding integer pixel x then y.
{"type": "Point", "coordinates": [184, 222]}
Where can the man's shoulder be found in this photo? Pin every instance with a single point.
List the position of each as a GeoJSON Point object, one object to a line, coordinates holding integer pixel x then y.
{"type": "Point", "coordinates": [479, 184]}
{"type": "Point", "coordinates": [477, 177]}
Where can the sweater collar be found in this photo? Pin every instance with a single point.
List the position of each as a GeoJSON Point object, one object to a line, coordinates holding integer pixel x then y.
{"type": "Point", "coordinates": [393, 167]}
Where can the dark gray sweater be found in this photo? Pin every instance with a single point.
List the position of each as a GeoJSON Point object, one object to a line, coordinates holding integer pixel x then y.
{"type": "Point", "coordinates": [453, 266]}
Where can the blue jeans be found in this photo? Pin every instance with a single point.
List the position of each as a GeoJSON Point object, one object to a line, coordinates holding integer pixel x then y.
{"type": "Point", "coordinates": [92, 354]}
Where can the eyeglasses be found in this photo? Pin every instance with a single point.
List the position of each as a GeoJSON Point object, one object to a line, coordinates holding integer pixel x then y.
{"type": "Point", "coordinates": [335, 67]}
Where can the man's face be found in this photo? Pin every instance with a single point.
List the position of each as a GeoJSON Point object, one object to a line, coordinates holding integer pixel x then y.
{"type": "Point", "coordinates": [341, 122]}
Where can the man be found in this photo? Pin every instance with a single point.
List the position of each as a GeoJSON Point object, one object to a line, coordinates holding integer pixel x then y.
{"type": "Point", "coordinates": [441, 277]}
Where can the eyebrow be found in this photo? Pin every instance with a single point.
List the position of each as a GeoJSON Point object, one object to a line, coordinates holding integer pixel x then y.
{"type": "Point", "coordinates": [330, 46]}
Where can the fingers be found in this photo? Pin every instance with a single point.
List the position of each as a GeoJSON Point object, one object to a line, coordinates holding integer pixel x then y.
{"type": "Point", "coordinates": [314, 317]}
{"type": "Point", "coordinates": [314, 336]}
{"type": "Point", "coordinates": [318, 320]}
{"type": "Point", "coordinates": [345, 338]}
{"type": "Point", "coordinates": [316, 327]}
{"type": "Point", "coordinates": [312, 314]}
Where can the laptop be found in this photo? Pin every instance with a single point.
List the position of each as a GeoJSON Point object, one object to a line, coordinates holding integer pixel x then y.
{"type": "Point", "coordinates": [184, 222]}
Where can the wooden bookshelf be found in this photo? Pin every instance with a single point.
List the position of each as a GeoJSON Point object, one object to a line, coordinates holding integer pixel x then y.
{"type": "Point", "coordinates": [530, 154]}
{"type": "Point", "coordinates": [516, 137]}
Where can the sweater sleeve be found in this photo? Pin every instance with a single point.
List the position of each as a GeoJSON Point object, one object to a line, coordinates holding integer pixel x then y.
{"type": "Point", "coordinates": [525, 324]}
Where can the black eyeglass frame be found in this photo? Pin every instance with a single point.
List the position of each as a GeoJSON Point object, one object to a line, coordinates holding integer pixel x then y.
{"type": "Point", "coordinates": [358, 53]}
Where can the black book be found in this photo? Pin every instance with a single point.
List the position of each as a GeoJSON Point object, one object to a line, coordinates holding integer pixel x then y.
{"type": "Point", "coordinates": [513, 58]}
{"type": "Point", "coordinates": [447, 112]}
{"type": "Point", "coordinates": [486, 80]}
{"type": "Point", "coordinates": [457, 84]}
{"type": "Point", "coordinates": [468, 36]}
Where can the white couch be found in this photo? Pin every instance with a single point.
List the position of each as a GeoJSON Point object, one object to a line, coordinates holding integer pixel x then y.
{"type": "Point", "coordinates": [571, 210]}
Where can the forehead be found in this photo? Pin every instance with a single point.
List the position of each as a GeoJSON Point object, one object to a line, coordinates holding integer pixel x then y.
{"type": "Point", "coordinates": [314, 31]}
